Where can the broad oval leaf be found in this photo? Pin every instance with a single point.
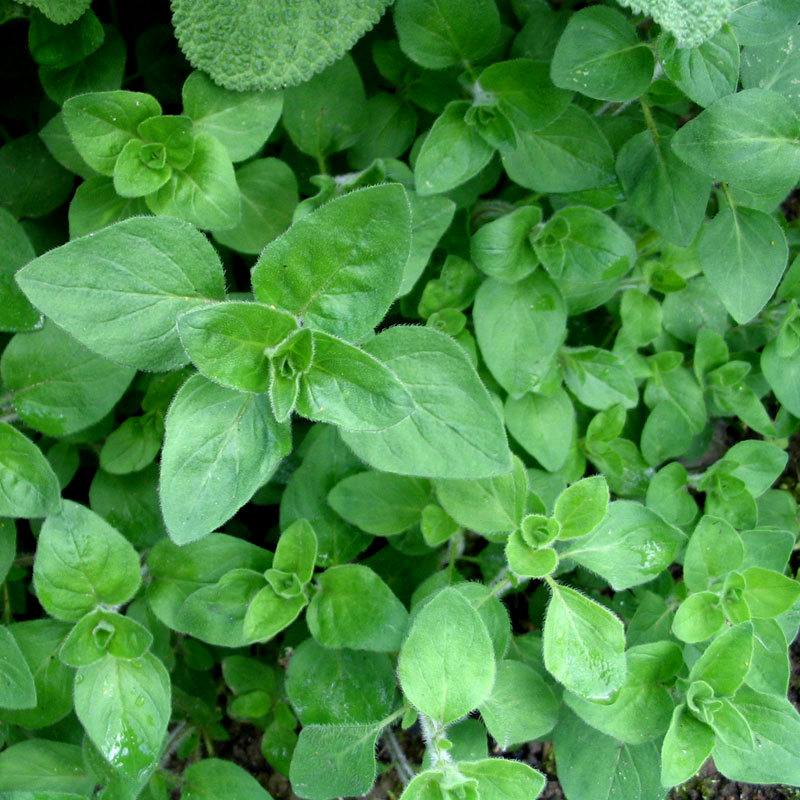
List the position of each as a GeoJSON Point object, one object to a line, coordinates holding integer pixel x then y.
{"type": "Point", "coordinates": [28, 485]}
{"type": "Point", "coordinates": [519, 328]}
{"type": "Point", "coordinates": [82, 561]}
{"type": "Point", "coordinates": [743, 253]}
{"type": "Point", "coordinates": [630, 546]}
{"type": "Point", "coordinates": [120, 291]}
{"type": "Point", "coordinates": [125, 707]}
{"type": "Point", "coordinates": [17, 688]}
{"type": "Point", "coordinates": [348, 387]}
{"type": "Point", "coordinates": [59, 387]}
{"type": "Point", "coordinates": [455, 429]}
{"type": "Point", "coordinates": [340, 266]}
{"type": "Point", "coordinates": [226, 341]}
{"type": "Point", "coordinates": [354, 608]}
{"type": "Point", "coordinates": [447, 665]}
{"type": "Point", "coordinates": [600, 55]}
{"type": "Point", "coordinates": [749, 139]}
{"type": "Point", "coordinates": [583, 644]}
{"type": "Point", "coordinates": [219, 447]}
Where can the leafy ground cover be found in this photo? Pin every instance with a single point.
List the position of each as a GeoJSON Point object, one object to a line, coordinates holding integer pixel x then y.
{"type": "Point", "coordinates": [405, 408]}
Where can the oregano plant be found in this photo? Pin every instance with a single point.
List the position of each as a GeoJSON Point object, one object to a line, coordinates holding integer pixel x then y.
{"type": "Point", "coordinates": [398, 399]}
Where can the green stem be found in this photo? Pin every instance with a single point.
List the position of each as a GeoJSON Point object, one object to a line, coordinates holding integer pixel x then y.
{"type": "Point", "coordinates": [10, 418]}
{"type": "Point", "coordinates": [7, 615]}
{"type": "Point", "coordinates": [650, 120]}
{"type": "Point", "coordinates": [321, 165]}
{"type": "Point", "coordinates": [404, 770]}
{"type": "Point", "coordinates": [433, 733]}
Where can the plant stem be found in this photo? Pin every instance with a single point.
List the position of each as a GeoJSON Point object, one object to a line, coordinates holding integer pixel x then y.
{"type": "Point", "coordinates": [433, 734]}
{"type": "Point", "coordinates": [7, 616]}
{"type": "Point", "coordinates": [180, 732]}
{"type": "Point", "coordinates": [10, 417]}
{"type": "Point", "coordinates": [404, 770]}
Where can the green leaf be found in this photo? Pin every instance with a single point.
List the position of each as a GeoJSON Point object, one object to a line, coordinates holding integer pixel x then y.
{"type": "Point", "coordinates": [17, 688]}
{"type": "Point", "coordinates": [361, 685]}
{"type": "Point", "coordinates": [581, 507]}
{"type": "Point", "coordinates": [520, 328]}
{"type": "Point", "coordinates": [82, 561]}
{"type": "Point", "coordinates": [296, 551]}
{"type": "Point", "coordinates": [265, 46]}
{"type": "Point", "coordinates": [713, 551]}
{"type": "Point", "coordinates": [630, 546]}
{"type": "Point", "coordinates": [39, 641]}
{"type": "Point", "coordinates": [770, 668]}
{"type": "Point", "coordinates": [380, 503]}
{"type": "Point", "coordinates": [686, 746]}
{"type": "Point", "coordinates": [121, 290]}
{"type": "Point", "coordinates": [354, 608]}
{"type": "Point", "coordinates": [218, 613]}
{"type": "Point", "coordinates": [584, 644]}
{"type": "Point", "coordinates": [28, 485]}
{"type": "Point", "coordinates": [757, 463]}
{"type": "Point", "coordinates": [768, 593]}
{"type": "Point", "coordinates": [266, 615]}
{"type": "Point", "coordinates": [662, 190]}
{"type": "Point", "coordinates": [501, 248]}
{"type": "Point", "coordinates": [227, 341]}
{"type": "Point", "coordinates": [125, 707]}
{"type": "Point", "coordinates": [348, 387]}
{"type": "Point", "coordinates": [454, 430]}
{"type": "Point", "coordinates": [521, 706]}
{"type": "Point", "coordinates": [32, 182]}
{"type": "Point", "coordinates": [568, 155]}
{"type": "Point", "coordinates": [16, 313]}
{"type": "Point", "coordinates": [748, 138]}
{"type": "Point", "coordinates": [544, 425]}
{"type": "Point", "coordinates": [593, 765]}
{"type": "Point", "coordinates": [599, 378]}
{"type": "Point", "coordinates": [447, 665]}
{"type": "Point", "coordinates": [58, 386]}
{"type": "Point", "coordinates": [762, 21]}
{"type": "Point", "coordinates": [133, 445]}
{"type": "Point", "coordinates": [698, 618]}
{"type": "Point", "coordinates": [776, 733]}
{"type": "Point", "coordinates": [269, 195]}
{"type": "Point", "coordinates": [729, 248]}
{"type": "Point", "coordinates": [102, 123]}
{"type": "Point", "coordinates": [487, 506]}
{"type": "Point", "coordinates": [102, 71]}
{"type": "Point", "coordinates": [444, 33]}
{"type": "Point", "coordinates": [340, 266]}
{"type": "Point", "coordinates": [726, 661]}
{"type": "Point", "coordinates": [203, 193]}
{"type": "Point", "coordinates": [212, 778]}
{"type": "Point", "coordinates": [40, 765]}
{"type": "Point", "coordinates": [452, 152]}
{"type": "Point", "coordinates": [334, 760]}
{"type": "Point", "coordinates": [600, 55]}
{"type": "Point", "coordinates": [242, 121]}
{"type": "Point", "coordinates": [219, 447]}
{"type": "Point", "coordinates": [176, 572]}
{"type": "Point", "coordinates": [134, 176]}
{"type": "Point", "coordinates": [774, 66]}
{"type": "Point", "coordinates": [101, 632]}
{"type": "Point", "coordinates": [587, 252]}
{"type": "Point", "coordinates": [704, 73]}
{"type": "Point", "coordinates": [503, 779]}
{"type": "Point", "coordinates": [327, 113]}
{"type": "Point", "coordinates": [389, 130]}
{"type": "Point", "coordinates": [95, 205]}
{"type": "Point", "coordinates": [524, 93]}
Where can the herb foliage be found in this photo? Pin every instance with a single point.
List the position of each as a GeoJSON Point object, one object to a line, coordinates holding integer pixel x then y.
{"type": "Point", "coordinates": [307, 390]}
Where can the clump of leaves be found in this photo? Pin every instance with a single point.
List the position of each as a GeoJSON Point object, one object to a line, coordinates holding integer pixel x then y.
{"type": "Point", "coordinates": [301, 386]}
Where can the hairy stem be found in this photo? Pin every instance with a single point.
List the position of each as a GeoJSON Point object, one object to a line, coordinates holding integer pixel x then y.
{"type": "Point", "coordinates": [404, 770]}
